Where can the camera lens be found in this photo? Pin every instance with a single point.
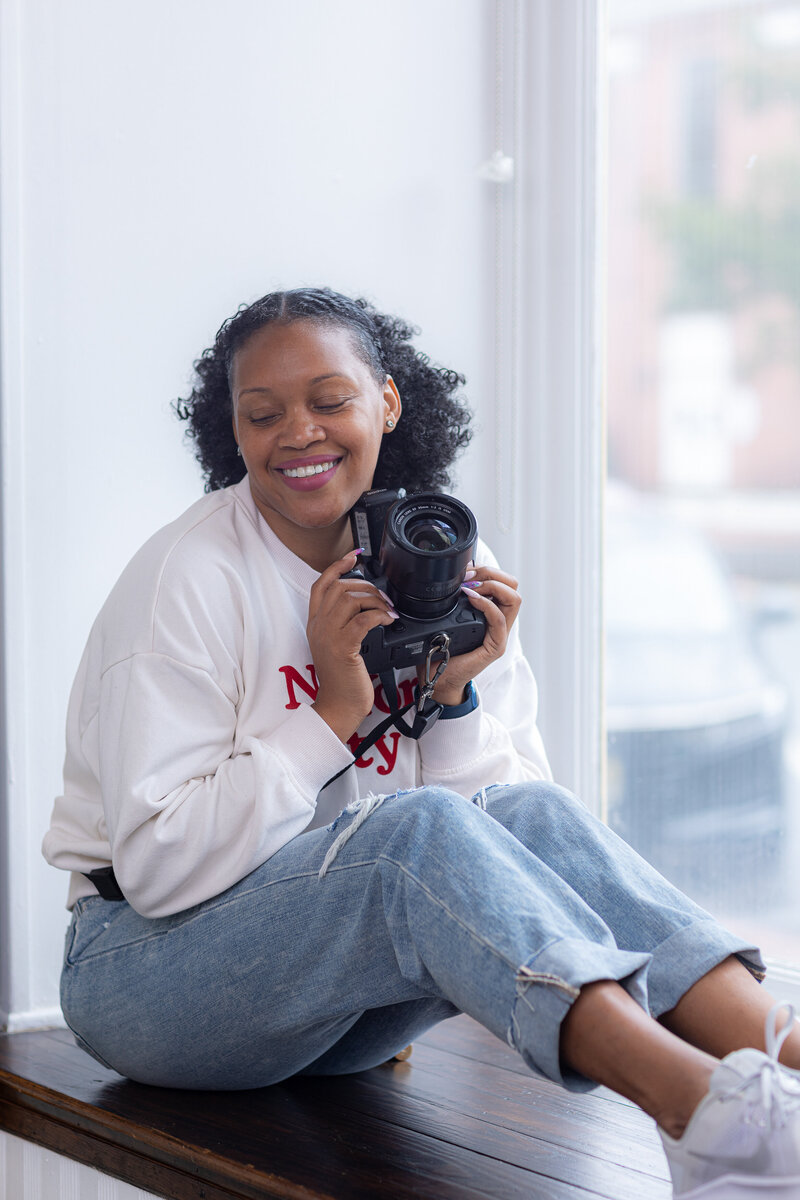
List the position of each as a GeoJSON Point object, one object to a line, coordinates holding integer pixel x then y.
{"type": "Point", "coordinates": [428, 540]}
{"type": "Point", "coordinates": [428, 534]}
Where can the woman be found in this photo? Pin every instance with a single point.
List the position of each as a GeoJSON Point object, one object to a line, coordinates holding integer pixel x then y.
{"type": "Point", "coordinates": [256, 933]}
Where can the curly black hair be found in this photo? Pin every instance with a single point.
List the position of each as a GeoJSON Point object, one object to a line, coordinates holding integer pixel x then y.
{"type": "Point", "coordinates": [435, 422]}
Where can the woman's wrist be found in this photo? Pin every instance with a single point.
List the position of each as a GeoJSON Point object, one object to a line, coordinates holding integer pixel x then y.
{"type": "Point", "coordinates": [467, 705]}
{"type": "Point", "coordinates": [451, 696]}
{"type": "Point", "coordinates": [344, 724]}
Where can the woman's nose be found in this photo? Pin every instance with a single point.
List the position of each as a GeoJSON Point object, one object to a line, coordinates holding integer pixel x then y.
{"type": "Point", "coordinates": [299, 429]}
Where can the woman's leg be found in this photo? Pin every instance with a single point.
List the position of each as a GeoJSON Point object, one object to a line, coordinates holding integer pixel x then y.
{"type": "Point", "coordinates": [610, 1039]}
{"type": "Point", "coordinates": [607, 1037]}
{"type": "Point", "coordinates": [642, 910]}
{"type": "Point", "coordinates": [662, 1065]}
{"type": "Point", "coordinates": [727, 1010]}
{"type": "Point", "coordinates": [429, 901]}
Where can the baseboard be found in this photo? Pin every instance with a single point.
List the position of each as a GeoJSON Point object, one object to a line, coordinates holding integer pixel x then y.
{"type": "Point", "coordinates": [783, 982]}
{"type": "Point", "coordinates": [34, 1019]}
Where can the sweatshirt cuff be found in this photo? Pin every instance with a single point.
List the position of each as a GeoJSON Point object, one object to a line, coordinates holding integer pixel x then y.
{"type": "Point", "coordinates": [310, 749]}
{"type": "Point", "coordinates": [461, 741]}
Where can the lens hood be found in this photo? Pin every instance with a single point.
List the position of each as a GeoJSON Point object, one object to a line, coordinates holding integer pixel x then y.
{"type": "Point", "coordinates": [428, 540]}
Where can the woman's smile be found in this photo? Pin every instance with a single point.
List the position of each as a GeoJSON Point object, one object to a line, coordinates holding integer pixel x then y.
{"type": "Point", "coordinates": [308, 474]}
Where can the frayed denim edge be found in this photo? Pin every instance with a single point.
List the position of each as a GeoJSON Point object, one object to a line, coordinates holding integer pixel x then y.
{"type": "Point", "coordinates": [364, 807]}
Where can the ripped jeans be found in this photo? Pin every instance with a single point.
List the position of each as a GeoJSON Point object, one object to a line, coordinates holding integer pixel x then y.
{"type": "Point", "coordinates": [351, 941]}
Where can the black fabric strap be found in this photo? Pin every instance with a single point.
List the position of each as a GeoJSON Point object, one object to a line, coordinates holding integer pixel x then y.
{"type": "Point", "coordinates": [105, 881]}
{"type": "Point", "coordinates": [423, 719]}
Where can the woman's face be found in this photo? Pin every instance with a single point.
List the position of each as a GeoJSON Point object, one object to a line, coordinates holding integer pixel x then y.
{"type": "Point", "coordinates": [309, 416]}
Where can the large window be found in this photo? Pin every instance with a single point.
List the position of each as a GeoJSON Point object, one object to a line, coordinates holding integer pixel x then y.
{"type": "Point", "coordinates": [702, 596]}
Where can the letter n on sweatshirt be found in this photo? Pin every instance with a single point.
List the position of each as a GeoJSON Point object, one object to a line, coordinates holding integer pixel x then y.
{"type": "Point", "coordinates": [295, 680]}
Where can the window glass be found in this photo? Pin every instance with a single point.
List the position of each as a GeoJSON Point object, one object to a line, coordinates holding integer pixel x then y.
{"type": "Point", "coordinates": [702, 582]}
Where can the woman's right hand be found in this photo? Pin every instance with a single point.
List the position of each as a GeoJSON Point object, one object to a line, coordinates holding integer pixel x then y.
{"type": "Point", "coordinates": [341, 613]}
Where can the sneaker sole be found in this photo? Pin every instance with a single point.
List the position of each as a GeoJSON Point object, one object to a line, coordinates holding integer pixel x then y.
{"type": "Point", "coordinates": [740, 1187]}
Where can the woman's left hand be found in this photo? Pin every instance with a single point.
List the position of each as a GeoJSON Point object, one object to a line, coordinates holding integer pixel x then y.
{"type": "Point", "coordinates": [496, 595]}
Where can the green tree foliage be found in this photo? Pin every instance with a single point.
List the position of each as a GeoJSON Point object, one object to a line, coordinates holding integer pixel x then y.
{"type": "Point", "coordinates": [725, 253]}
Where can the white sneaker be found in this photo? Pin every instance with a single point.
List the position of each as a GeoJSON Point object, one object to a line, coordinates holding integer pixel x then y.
{"type": "Point", "coordinates": [743, 1139]}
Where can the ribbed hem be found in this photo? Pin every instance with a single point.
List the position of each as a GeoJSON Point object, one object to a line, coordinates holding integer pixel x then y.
{"type": "Point", "coordinates": [310, 750]}
{"type": "Point", "coordinates": [460, 741]}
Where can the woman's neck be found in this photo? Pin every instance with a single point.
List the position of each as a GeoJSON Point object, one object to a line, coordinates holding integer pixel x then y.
{"type": "Point", "coordinates": [316, 547]}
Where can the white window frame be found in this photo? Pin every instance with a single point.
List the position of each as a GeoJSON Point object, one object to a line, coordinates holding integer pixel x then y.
{"type": "Point", "coordinates": [560, 439]}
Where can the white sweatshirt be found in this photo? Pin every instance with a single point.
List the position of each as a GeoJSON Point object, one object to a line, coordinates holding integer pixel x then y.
{"type": "Point", "coordinates": [193, 753]}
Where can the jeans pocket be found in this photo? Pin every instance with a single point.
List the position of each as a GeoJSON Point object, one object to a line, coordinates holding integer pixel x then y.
{"type": "Point", "coordinates": [87, 922]}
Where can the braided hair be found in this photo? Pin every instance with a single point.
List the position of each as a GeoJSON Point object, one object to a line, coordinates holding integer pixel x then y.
{"type": "Point", "coordinates": [435, 423]}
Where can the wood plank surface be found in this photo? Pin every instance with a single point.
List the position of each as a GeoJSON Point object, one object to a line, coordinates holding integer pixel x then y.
{"type": "Point", "coordinates": [461, 1120]}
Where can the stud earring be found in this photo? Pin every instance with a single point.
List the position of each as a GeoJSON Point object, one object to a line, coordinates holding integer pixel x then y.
{"type": "Point", "coordinates": [390, 423]}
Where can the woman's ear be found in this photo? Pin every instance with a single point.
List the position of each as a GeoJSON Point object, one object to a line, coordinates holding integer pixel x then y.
{"type": "Point", "coordinates": [392, 402]}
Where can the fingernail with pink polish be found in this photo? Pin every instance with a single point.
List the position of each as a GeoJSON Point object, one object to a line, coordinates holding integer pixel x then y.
{"type": "Point", "coordinates": [358, 550]}
{"type": "Point", "coordinates": [470, 574]}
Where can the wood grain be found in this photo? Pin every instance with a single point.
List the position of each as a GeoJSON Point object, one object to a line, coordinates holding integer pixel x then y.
{"type": "Point", "coordinates": [461, 1120]}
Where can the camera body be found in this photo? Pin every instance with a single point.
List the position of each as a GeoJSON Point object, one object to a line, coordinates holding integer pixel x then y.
{"type": "Point", "coordinates": [416, 549]}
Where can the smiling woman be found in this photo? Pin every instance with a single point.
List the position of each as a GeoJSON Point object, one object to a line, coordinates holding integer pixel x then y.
{"type": "Point", "coordinates": [309, 416]}
{"type": "Point", "coordinates": [420, 453]}
{"type": "Point", "coordinates": [236, 920]}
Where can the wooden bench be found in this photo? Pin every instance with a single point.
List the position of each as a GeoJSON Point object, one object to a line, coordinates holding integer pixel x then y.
{"type": "Point", "coordinates": [461, 1120]}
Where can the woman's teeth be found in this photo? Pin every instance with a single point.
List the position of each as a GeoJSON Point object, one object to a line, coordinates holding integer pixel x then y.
{"type": "Point", "coordinates": [304, 472]}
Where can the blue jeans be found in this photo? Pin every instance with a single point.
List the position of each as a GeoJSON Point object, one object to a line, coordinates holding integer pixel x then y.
{"type": "Point", "coordinates": [352, 940]}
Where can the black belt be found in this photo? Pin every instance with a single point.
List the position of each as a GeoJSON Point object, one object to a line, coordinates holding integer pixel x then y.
{"type": "Point", "coordinates": [105, 881]}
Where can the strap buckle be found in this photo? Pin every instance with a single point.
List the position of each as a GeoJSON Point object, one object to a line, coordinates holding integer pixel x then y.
{"type": "Point", "coordinates": [440, 644]}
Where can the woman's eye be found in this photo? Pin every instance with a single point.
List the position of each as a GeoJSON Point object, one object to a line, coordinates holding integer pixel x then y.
{"type": "Point", "coordinates": [329, 405]}
{"type": "Point", "coordinates": [320, 406]}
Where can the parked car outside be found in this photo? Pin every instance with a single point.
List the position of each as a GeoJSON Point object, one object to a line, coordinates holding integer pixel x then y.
{"type": "Point", "coordinates": [695, 722]}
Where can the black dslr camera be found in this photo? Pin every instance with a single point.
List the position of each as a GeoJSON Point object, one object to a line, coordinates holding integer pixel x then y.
{"type": "Point", "coordinates": [416, 549]}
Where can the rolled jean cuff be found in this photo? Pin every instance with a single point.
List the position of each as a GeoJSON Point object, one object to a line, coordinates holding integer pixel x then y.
{"type": "Point", "coordinates": [547, 986]}
{"type": "Point", "coordinates": [688, 955]}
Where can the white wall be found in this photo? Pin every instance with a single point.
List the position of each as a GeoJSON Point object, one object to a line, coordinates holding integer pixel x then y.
{"type": "Point", "coordinates": [161, 164]}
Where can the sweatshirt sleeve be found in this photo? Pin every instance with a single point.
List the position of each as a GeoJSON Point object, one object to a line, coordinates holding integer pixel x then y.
{"type": "Point", "coordinates": [189, 812]}
{"type": "Point", "coordinates": [498, 742]}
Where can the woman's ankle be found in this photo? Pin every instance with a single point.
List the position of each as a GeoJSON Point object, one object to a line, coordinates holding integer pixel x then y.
{"type": "Point", "coordinates": [678, 1112]}
{"type": "Point", "coordinates": [610, 1039]}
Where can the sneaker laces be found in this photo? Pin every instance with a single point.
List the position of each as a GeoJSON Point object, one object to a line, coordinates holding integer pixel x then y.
{"type": "Point", "coordinates": [779, 1097]}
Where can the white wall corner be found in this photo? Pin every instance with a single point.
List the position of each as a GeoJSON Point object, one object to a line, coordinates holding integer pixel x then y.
{"type": "Point", "coordinates": [14, 816]}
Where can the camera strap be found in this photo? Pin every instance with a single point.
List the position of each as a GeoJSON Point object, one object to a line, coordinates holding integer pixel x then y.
{"type": "Point", "coordinates": [427, 709]}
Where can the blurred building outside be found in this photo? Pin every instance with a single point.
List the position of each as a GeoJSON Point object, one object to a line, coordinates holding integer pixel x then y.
{"type": "Point", "coordinates": [703, 318]}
